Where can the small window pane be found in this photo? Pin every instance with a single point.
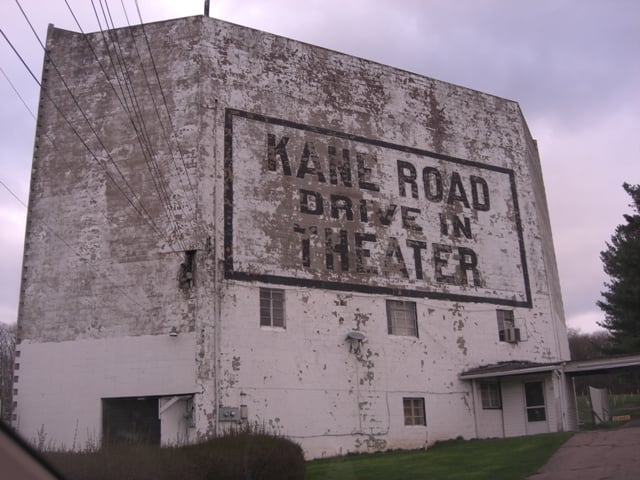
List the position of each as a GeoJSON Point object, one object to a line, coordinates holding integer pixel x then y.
{"type": "Point", "coordinates": [414, 411]}
{"type": "Point", "coordinates": [536, 414]}
{"type": "Point", "coordinates": [490, 393]}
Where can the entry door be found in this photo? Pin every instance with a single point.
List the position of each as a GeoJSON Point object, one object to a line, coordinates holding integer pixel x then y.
{"type": "Point", "coordinates": [536, 411]}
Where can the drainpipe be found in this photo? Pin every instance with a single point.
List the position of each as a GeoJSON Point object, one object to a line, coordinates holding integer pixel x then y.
{"type": "Point", "coordinates": [217, 323]}
{"type": "Point", "coordinates": [473, 403]}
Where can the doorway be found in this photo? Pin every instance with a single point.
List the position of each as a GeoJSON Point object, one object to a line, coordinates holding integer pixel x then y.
{"type": "Point", "coordinates": [130, 420]}
{"type": "Point", "coordinates": [536, 412]}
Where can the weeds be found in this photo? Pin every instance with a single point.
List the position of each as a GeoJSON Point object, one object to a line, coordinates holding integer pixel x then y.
{"type": "Point", "coordinates": [244, 451]}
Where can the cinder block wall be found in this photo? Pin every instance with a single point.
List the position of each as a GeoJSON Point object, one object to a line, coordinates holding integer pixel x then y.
{"type": "Point", "coordinates": [108, 274]}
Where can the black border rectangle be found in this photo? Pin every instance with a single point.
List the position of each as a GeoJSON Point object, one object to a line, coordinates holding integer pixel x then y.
{"type": "Point", "coordinates": [230, 273]}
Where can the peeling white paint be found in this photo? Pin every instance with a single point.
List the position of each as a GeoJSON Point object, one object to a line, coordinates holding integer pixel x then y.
{"type": "Point", "coordinates": [112, 285]}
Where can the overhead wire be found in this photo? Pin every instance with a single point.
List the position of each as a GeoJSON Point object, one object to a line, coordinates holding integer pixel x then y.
{"type": "Point", "coordinates": [13, 87]}
{"type": "Point", "coordinates": [122, 100]}
{"type": "Point", "coordinates": [157, 112]}
{"type": "Point", "coordinates": [148, 219]}
{"type": "Point", "coordinates": [155, 105]}
{"type": "Point", "coordinates": [164, 99]}
{"type": "Point", "coordinates": [54, 144]}
{"type": "Point", "coordinates": [80, 256]}
{"type": "Point", "coordinates": [13, 194]}
{"type": "Point", "coordinates": [147, 150]}
{"type": "Point", "coordinates": [141, 207]}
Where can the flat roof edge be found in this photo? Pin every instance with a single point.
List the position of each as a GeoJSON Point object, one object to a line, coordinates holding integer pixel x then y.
{"type": "Point", "coordinates": [569, 367]}
{"type": "Point", "coordinates": [510, 373]}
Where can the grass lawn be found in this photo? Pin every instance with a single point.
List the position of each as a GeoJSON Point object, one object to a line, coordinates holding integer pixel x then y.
{"type": "Point", "coordinates": [496, 459]}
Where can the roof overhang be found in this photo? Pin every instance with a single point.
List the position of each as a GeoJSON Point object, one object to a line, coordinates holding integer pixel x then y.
{"type": "Point", "coordinates": [571, 367]}
{"type": "Point", "coordinates": [508, 369]}
{"type": "Point", "coordinates": [602, 365]}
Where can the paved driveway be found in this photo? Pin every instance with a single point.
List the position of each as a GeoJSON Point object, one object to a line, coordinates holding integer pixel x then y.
{"type": "Point", "coordinates": [596, 455]}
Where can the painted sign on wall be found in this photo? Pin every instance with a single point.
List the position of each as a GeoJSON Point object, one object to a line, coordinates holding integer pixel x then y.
{"type": "Point", "coordinates": [315, 207]}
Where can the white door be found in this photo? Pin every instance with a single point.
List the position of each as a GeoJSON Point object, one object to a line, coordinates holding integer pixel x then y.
{"type": "Point", "coordinates": [535, 408]}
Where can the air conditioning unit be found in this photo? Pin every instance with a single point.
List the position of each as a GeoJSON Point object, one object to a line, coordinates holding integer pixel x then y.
{"type": "Point", "coordinates": [512, 335]}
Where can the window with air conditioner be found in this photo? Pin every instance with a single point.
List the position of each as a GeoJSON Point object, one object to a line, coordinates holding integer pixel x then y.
{"type": "Point", "coordinates": [507, 331]}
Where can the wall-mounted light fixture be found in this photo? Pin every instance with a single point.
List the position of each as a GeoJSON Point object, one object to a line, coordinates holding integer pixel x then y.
{"type": "Point", "coordinates": [355, 340]}
{"type": "Point", "coordinates": [173, 332]}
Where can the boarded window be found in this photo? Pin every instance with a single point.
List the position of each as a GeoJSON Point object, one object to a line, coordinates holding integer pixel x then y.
{"type": "Point", "coordinates": [414, 411]}
{"type": "Point", "coordinates": [401, 318]}
{"type": "Point", "coordinates": [490, 393]}
{"type": "Point", "coordinates": [272, 307]}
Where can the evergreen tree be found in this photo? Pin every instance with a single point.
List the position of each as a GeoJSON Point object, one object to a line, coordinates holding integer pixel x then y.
{"type": "Point", "coordinates": [621, 261]}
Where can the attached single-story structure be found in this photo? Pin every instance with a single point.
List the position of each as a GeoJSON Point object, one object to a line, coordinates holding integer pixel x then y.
{"type": "Point", "coordinates": [523, 398]}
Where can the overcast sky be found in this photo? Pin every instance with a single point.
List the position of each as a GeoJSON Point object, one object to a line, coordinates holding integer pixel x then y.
{"type": "Point", "coordinates": [573, 66]}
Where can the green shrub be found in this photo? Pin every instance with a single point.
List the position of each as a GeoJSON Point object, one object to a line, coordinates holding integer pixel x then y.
{"type": "Point", "coordinates": [237, 455]}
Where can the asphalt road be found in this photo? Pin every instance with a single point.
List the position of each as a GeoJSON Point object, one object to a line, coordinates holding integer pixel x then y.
{"type": "Point", "coordinates": [612, 454]}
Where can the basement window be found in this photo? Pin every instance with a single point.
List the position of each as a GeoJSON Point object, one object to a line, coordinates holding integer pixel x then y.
{"type": "Point", "coordinates": [271, 307]}
{"type": "Point", "coordinates": [414, 411]}
{"type": "Point", "coordinates": [401, 318]}
{"type": "Point", "coordinates": [491, 396]}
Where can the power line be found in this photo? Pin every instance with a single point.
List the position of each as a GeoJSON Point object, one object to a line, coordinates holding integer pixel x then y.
{"type": "Point", "coordinates": [52, 141]}
{"type": "Point", "coordinates": [77, 104]}
{"type": "Point", "coordinates": [148, 153]}
{"type": "Point", "coordinates": [164, 99]}
{"type": "Point", "coordinates": [30, 26]}
{"type": "Point", "coordinates": [18, 94]}
{"type": "Point", "coordinates": [123, 101]}
{"type": "Point", "coordinates": [155, 105]}
{"type": "Point", "coordinates": [73, 250]}
{"type": "Point", "coordinates": [147, 218]}
{"type": "Point", "coordinates": [13, 194]}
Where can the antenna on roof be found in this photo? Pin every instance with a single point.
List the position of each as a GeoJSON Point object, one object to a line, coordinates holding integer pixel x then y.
{"type": "Point", "coordinates": [206, 8]}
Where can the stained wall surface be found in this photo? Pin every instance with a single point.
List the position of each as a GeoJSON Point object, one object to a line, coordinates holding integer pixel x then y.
{"type": "Point", "coordinates": [277, 164]}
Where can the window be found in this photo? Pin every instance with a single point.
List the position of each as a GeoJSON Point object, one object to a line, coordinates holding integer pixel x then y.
{"type": "Point", "coordinates": [491, 398]}
{"type": "Point", "coordinates": [401, 318]}
{"type": "Point", "coordinates": [414, 411]}
{"type": "Point", "coordinates": [271, 307]}
{"type": "Point", "coordinates": [505, 321]}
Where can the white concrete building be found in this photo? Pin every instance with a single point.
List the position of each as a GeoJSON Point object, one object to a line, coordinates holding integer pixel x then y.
{"type": "Point", "coordinates": [230, 226]}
